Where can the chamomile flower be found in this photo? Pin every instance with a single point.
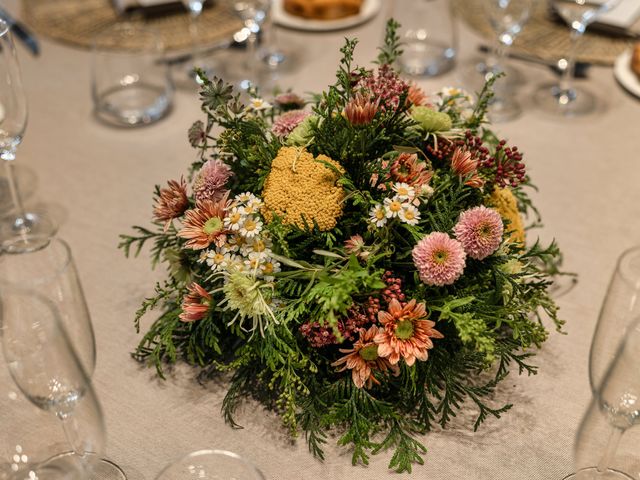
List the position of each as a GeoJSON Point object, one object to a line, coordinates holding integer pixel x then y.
{"type": "Point", "coordinates": [404, 191]}
{"type": "Point", "coordinates": [235, 263]}
{"type": "Point", "coordinates": [258, 104]}
{"type": "Point", "coordinates": [249, 209]}
{"type": "Point", "coordinates": [268, 268]}
{"type": "Point", "coordinates": [203, 256]}
{"type": "Point", "coordinates": [234, 219]}
{"type": "Point", "coordinates": [218, 260]}
{"type": "Point", "coordinates": [244, 198]}
{"type": "Point", "coordinates": [377, 215]}
{"type": "Point", "coordinates": [392, 207]}
{"type": "Point", "coordinates": [236, 243]}
{"type": "Point", "coordinates": [251, 227]}
{"type": "Point", "coordinates": [258, 248]}
{"type": "Point", "coordinates": [252, 265]}
{"type": "Point", "coordinates": [409, 214]}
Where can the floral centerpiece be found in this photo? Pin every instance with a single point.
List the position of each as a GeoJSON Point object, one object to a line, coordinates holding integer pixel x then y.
{"type": "Point", "coordinates": [357, 263]}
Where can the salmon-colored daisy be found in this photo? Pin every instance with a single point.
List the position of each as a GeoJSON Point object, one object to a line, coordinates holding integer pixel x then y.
{"type": "Point", "coordinates": [204, 224]}
{"type": "Point", "coordinates": [195, 304]}
{"type": "Point", "coordinates": [406, 332]}
{"type": "Point", "coordinates": [364, 359]}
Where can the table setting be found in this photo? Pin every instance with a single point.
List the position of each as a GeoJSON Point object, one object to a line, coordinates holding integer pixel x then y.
{"type": "Point", "coordinates": [319, 239]}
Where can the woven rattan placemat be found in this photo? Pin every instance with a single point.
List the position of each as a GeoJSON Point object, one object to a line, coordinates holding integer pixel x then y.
{"type": "Point", "coordinates": [76, 22]}
{"type": "Point", "coordinates": [544, 38]}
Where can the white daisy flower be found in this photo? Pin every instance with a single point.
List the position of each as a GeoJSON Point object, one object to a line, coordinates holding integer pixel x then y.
{"type": "Point", "coordinates": [252, 265]}
{"type": "Point", "coordinates": [409, 214]}
{"type": "Point", "coordinates": [377, 215]}
{"type": "Point", "coordinates": [249, 209]}
{"type": "Point", "coordinates": [234, 219]}
{"type": "Point", "coordinates": [235, 263]}
{"type": "Point", "coordinates": [244, 197]}
{"type": "Point", "coordinates": [251, 227]}
{"type": "Point", "coordinates": [268, 268]}
{"type": "Point", "coordinates": [258, 248]}
{"type": "Point", "coordinates": [218, 260]}
{"type": "Point", "coordinates": [392, 207]}
{"type": "Point", "coordinates": [259, 104]}
{"type": "Point", "coordinates": [203, 256]}
{"type": "Point", "coordinates": [404, 191]}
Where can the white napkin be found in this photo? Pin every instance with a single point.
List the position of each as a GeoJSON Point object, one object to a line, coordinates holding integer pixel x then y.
{"type": "Point", "coordinates": [623, 16]}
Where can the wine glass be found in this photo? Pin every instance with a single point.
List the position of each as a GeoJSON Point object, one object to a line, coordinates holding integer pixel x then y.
{"type": "Point", "coordinates": [253, 13]}
{"type": "Point", "coordinates": [45, 368]}
{"type": "Point", "coordinates": [50, 270]}
{"type": "Point", "coordinates": [620, 307]}
{"type": "Point", "coordinates": [564, 98]}
{"type": "Point", "coordinates": [195, 8]}
{"type": "Point", "coordinates": [211, 465]}
{"type": "Point", "coordinates": [13, 121]}
{"type": "Point", "coordinates": [507, 18]}
{"type": "Point", "coordinates": [615, 408]}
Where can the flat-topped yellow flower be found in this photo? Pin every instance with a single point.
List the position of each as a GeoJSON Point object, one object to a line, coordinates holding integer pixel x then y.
{"type": "Point", "coordinates": [303, 189]}
{"type": "Point", "coordinates": [505, 203]}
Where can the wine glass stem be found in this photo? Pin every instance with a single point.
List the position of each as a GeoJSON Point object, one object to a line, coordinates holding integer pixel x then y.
{"type": "Point", "coordinates": [194, 33]}
{"type": "Point", "coordinates": [252, 42]}
{"type": "Point", "coordinates": [610, 449]}
{"type": "Point", "coordinates": [9, 158]}
{"type": "Point", "coordinates": [497, 56]}
{"type": "Point", "coordinates": [566, 81]}
{"type": "Point", "coordinates": [71, 433]}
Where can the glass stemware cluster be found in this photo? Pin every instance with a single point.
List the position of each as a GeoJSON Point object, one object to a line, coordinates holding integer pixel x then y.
{"type": "Point", "coordinates": [13, 121]}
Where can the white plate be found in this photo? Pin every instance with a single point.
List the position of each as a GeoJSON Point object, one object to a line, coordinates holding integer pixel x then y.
{"type": "Point", "coordinates": [623, 73]}
{"type": "Point", "coordinates": [369, 9]}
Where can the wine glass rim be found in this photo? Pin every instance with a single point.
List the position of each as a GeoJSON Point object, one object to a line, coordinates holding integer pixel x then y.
{"type": "Point", "coordinates": [59, 269]}
{"type": "Point", "coordinates": [206, 452]}
{"type": "Point", "coordinates": [4, 27]}
{"type": "Point", "coordinates": [621, 264]}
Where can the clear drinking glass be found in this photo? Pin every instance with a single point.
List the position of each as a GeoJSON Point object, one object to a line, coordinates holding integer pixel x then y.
{"type": "Point", "coordinates": [565, 98]}
{"type": "Point", "coordinates": [507, 18]}
{"type": "Point", "coordinates": [211, 465]}
{"type": "Point", "coordinates": [51, 272]}
{"type": "Point", "coordinates": [429, 36]}
{"type": "Point", "coordinates": [615, 409]}
{"type": "Point", "coordinates": [13, 121]}
{"type": "Point", "coordinates": [46, 370]}
{"type": "Point", "coordinates": [130, 85]}
{"type": "Point", "coordinates": [253, 14]}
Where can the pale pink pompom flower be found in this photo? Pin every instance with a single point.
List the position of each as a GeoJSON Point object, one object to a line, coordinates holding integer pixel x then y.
{"type": "Point", "coordinates": [285, 123]}
{"type": "Point", "coordinates": [440, 259]}
{"type": "Point", "coordinates": [211, 181]}
{"type": "Point", "coordinates": [480, 231]}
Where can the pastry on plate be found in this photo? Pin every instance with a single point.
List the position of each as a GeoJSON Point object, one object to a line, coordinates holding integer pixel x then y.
{"type": "Point", "coordinates": [635, 59]}
{"type": "Point", "coordinates": [323, 9]}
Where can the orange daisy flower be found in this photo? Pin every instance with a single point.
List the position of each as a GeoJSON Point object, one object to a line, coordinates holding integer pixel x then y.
{"type": "Point", "coordinates": [406, 333]}
{"type": "Point", "coordinates": [363, 359]}
{"type": "Point", "coordinates": [204, 225]}
{"type": "Point", "coordinates": [195, 304]}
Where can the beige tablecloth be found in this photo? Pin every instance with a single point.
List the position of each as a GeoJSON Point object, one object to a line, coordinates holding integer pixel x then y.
{"type": "Point", "coordinates": [588, 171]}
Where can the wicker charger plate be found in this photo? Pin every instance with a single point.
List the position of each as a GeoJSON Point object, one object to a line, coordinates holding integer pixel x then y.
{"type": "Point", "coordinates": [543, 38]}
{"type": "Point", "coordinates": [76, 22]}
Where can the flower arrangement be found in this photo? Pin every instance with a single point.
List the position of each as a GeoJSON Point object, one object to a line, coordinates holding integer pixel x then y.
{"type": "Point", "coordinates": [357, 263]}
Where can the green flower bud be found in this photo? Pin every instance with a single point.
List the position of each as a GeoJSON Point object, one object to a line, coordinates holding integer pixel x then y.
{"type": "Point", "coordinates": [430, 120]}
{"type": "Point", "coordinates": [303, 133]}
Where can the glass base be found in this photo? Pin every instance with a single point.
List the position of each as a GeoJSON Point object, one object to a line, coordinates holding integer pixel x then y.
{"type": "Point", "coordinates": [72, 464]}
{"type": "Point", "coordinates": [591, 473]}
{"type": "Point", "coordinates": [474, 75]}
{"type": "Point", "coordinates": [572, 102]}
{"type": "Point", "coordinates": [503, 110]}
{"type": "Point", "coordinates": [26, 233]}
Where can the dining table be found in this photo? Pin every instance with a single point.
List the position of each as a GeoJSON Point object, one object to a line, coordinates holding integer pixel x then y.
{"type": "Point", "coordinates": [99, 181]}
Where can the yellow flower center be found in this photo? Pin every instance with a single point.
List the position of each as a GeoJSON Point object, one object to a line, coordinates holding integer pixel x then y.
{"type": "Point", "coordinates": [369, 353]}
{"type": "Point", "coordinates": [395, 206]}
{"type": "Point", "coordinates": [218, 258]}
{"type": "Point", "coordinates": [212, 225]}
{"type": "Point", "coordinates": [259, 246]}
{"type": "Point", "coordinates": [404, 329]}
{"type": "Point", "coordinates": [402, 191]}
{"type": "Point", "coordinates": [235, 217]}
{"type": "Point", "coordinates": [267, 268]}
{"type": "Point", "coordinates": [409, 214]}
{"type": "Point", "coordinates": [379, 214]}
{"type": "Point", "coordinates": [250, 225]}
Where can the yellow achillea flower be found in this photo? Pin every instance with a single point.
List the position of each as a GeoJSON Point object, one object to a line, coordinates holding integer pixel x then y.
{"type": "Point", "coordinates": [301, 188]}
{"type": "Point", "coordinates": [505, 203]}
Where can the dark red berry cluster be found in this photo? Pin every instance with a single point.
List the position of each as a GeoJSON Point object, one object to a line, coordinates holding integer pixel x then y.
{"type": "Point", "coordinates": [507, 164]}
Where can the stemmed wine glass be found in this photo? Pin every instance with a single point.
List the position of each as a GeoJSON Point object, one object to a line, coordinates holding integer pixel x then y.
{"type": "Point", "coordinates": [564, 98]}
{"type": "Point", "coordinates": [45, 368]}
{"type": "Point", "coordinates": [616, 408]}
{"type": "Point", "coordinates": [195, 8]}
{"type": "Point", "coordinates": [507, 18]}
{"type": "Point", "coordinates": [211, 465]}
{"type": "Point", "coordinates": [253, 14]}
{"type": "Point", "coordinates": [619, 308]}
{"type": "Point", "coordinates": [51, 272]}
{"type": "Point", "coordinates": [13, 121]}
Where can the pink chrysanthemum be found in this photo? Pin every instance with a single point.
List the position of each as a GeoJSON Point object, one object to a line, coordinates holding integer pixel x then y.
{"type": "Point", "coordinates": [439, 259]}
{"type": "Point", "coordinates": [480, 231]}
{"type": "Point", "coordinates": [285, 123]}
{"type": "Point", "coordinates": [211, 180]}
